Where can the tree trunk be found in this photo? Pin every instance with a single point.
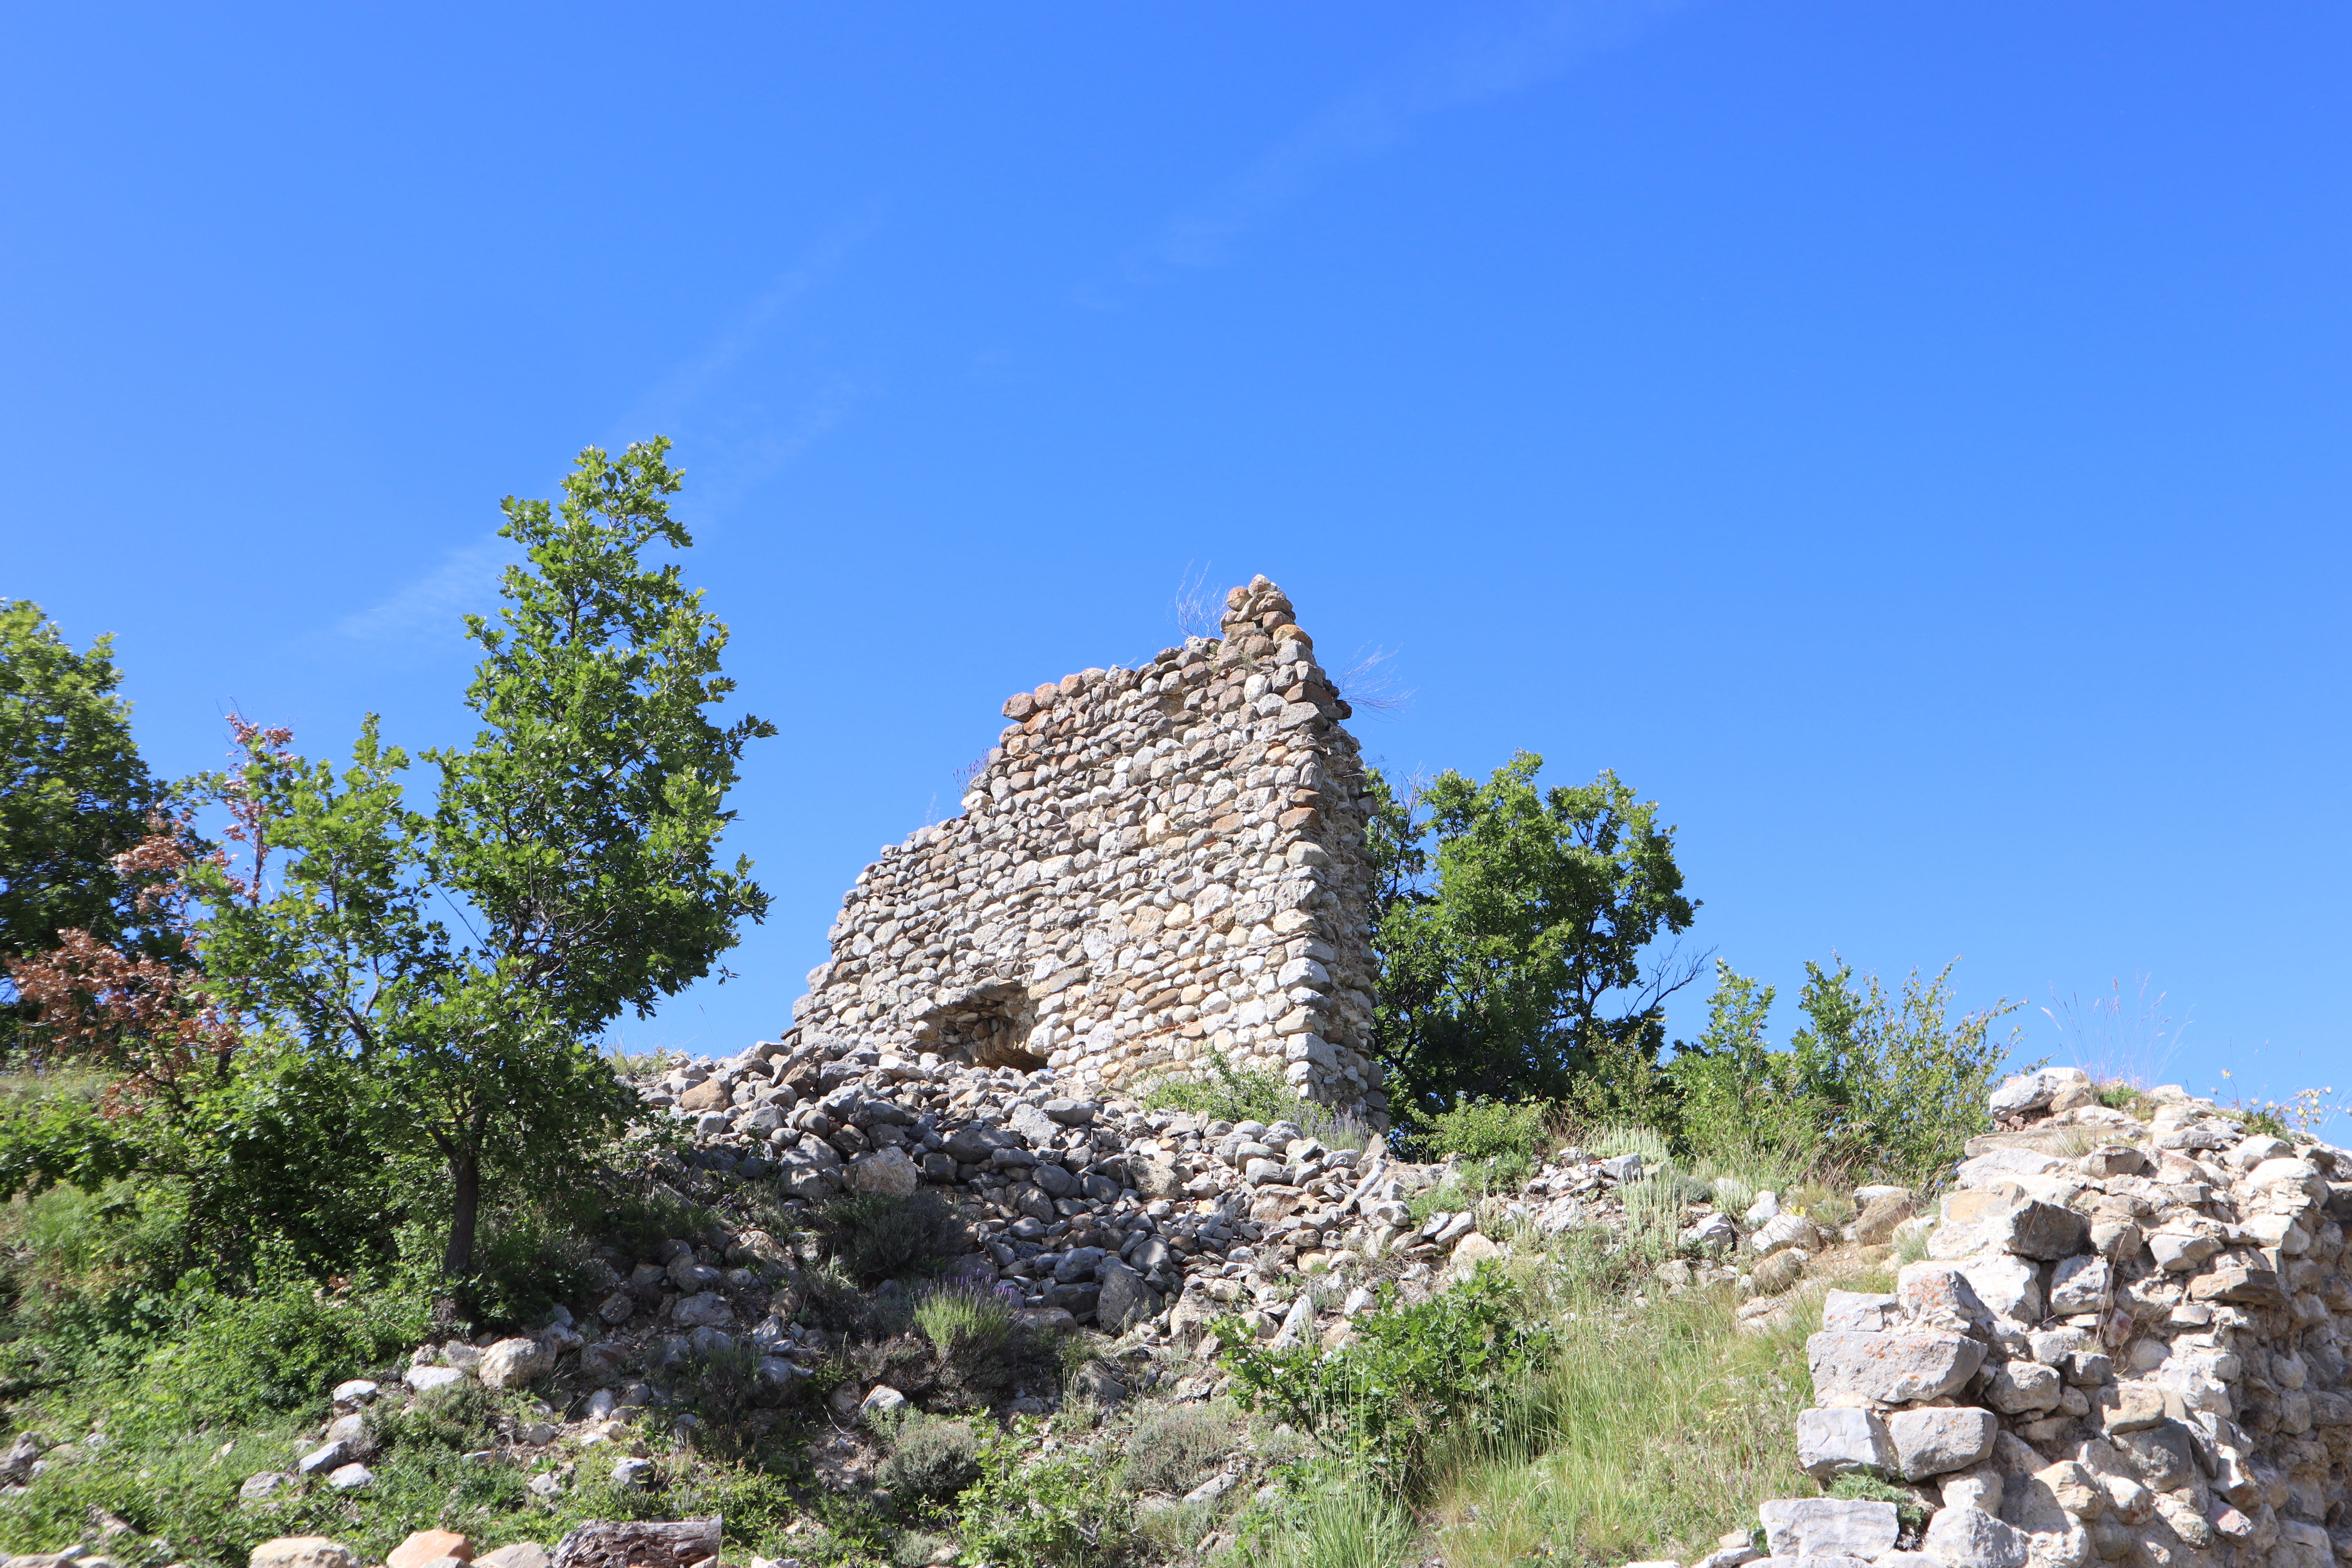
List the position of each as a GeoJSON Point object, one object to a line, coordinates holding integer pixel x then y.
{"type": "Point", "coordinates": [465, 1209]}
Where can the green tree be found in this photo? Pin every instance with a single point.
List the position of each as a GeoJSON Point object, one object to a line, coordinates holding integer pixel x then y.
{"type": "Point", "coordinates": [1512, 924]}
{"type": "Point", "coordinates": [574, 846]}
{"type": "Point", "coordinates": [73, 795]}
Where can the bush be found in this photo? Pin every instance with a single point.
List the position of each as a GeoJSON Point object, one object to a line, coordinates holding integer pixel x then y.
{"type": "Point", "coordinates": [1173, 1450]}
{"type": "Point", "coordinates": [287, 1342]}
{"type": "Point", "coordinates": [931, 1459]}
{"type": "Point", "coordinates": [1329, 1521]}
{"type": "Point", "coordinates": [526, 1261]}
{"type": "Point", "coordinates": [958, 1314]}
{"type": "Point", "coordinates": [874, 1235]}
{"type": "Point", "coordinates": [721, 1386]}
{"type": "Point", "coordinates": [1858, 1487]}
{"type": "Point", "coordinates": [1498, 1139]}
{"type": "Point", "coordinates": [1455, 1364]}
{"type": "Point", "coordinates": [1655, 1205]}
{"type": "Point", "coordinates": [1227, 1094]}
{"type": "Point", "coordinates": [1057, 1509]}
{"type": "Point", "coordinates": [1886, 1085]}
{"type": "Point", "coordinates": [462, 1416]}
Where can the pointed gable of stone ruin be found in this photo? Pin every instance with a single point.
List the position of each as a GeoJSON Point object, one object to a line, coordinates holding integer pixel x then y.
{"type": "Point", "coordinates": [1155, 870]}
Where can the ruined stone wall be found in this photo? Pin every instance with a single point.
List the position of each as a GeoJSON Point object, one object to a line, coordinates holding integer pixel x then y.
{"type": "Point", "coordinates": [2128, 1344]}
{"type": "Point", "coordinates": [1153, 867]}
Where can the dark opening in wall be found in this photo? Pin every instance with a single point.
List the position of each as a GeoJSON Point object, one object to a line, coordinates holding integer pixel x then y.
{"type": "Point", "coordinates": [988, 1027]}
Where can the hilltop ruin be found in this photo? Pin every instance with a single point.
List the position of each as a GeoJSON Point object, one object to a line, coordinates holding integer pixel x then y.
{"type": "Point", "coordinates": [1155, 870]}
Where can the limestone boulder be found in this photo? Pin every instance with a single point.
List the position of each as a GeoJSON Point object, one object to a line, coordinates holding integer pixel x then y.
{"type": "Point", "coordinates": [1851, 1369]}
{"type": "Point", "coordinates": [302, 1552]}
{"type": "Point", "coordinates": [1935, 1442]}
{"type": "Point", "coordinates": [1833, 1442]}
{"type": "Point", "coordinates": [1829, 1527]}
{"type": "Point", "coordinates": [510, 1364]}
{"type": "Point", "coordinates": [1970, 1538]}
{"type": "Point", "coordinates": [888, 1172]}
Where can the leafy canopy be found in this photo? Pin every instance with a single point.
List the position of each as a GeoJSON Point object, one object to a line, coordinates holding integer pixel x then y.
{"type": "Point", "coordinates": [573, 844]}
{"type": "Point", "coordinates": [73, 791]}
{"type": "Point", "coordinates": [1511, 924]}
{"type": "Point", "coordinates": [449, 967]}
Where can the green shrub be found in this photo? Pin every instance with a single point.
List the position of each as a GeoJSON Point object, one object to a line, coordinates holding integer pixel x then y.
{"type": "Point", "coordinates": [931, 1459]}
{"type": "Point", "coordinates": [954, 1315]}
{"type": "Point", "coordinates": [1329, 1521]}
{"type": "Point", "coordinates": [1890, 1086]}
{"type": "Point", "coordinates": [1497, 1139]}
{"type": "Point", "coordinates": [462, 1417]}
{"type": "Point", "coordinates": [526, 1261]}
{"type": "Point", "coordinates": [2116, 1094]}
{"type": "Point", "coordinates": [1655, 1205]}
{"type": "Point", "coordinates": [1059, 1508]}
{"type": "Point", "coordinates": [1174, 1450]}
{"type": "Point", "coordinates": [280, 1346]}
{"type": "Point", "coordinates": [722, 1387]}
{"type": "Point", "coordinates": [1612, 1139]}
{"type": "Point", "coordinates": [877, 1235]}
{"type": "Point", "coordinates": [1449, 1196]}
{"type": "Point", "coordinates": [1455, 1362]}
{"type": "Point", "coordinates": [1227, 1094]}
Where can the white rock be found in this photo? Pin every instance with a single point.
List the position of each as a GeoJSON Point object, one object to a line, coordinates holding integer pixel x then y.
{"type": "Point", "coordinates": [510, 1364]}
{"type": "Point", "coordinates": [2079, 1285]}
{"type": "Point", "coordinates": [1832, 1442]}
{"type": "Point", "coordinates": [302, 1552]}
{"type": "Point", "coordinates": [321, 1460]}
{"type": "Point", "coordinates": [350, 1478]}
{"type": "Point", "coordinates": [1890, 1368]}
{"type": "Point", "coordinates": [1783, 1231]}
{"type": "Point", "coordinates": [1968, 1537]}
{"type": "Point", "coordinates": [2181, 1251]}
{"type": "Point", "coordinates": [2008, 1285]}
{"type": "Point", "coordinates": [886, 1171]}
{"type": "Point", "coordinates": [1985, 1167]}
{"type": "Point", "coordinates": [881, 1400]}
{"type": "Point", "coordinates": [1933, 1441]}
{"type": "Point", "coordinates": [1852, 1312]}
{"type": "Point", "coordinates": [426, 1379]}
{"type": "Point", "coordinates": [1829, 1527]}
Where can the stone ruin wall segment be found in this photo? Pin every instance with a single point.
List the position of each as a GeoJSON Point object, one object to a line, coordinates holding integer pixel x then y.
{"type": "Point", "coordinates": [1156, 867]}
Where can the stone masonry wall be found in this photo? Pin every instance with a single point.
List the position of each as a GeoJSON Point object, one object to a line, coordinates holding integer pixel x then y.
{"type": "Point", "coordinates": [1154, 866]}
{"type": "Point", "coordinates": [2127, 1344]}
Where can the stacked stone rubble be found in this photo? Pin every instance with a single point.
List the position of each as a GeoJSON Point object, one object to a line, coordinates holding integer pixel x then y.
{"type": "Point", "coordinates": [1154, 866]}
{"type": "Point", "coordinates": [1101, 1208]}
{"type": "Point", "coordinates": [2128, 1344]}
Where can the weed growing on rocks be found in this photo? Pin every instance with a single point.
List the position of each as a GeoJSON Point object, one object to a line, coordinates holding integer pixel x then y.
{"type": "Point", "coordinates": [876, 1234]}
{"type": "Point", "coordinates": [1058, 1508]}
{"type": "Point", "coordinates": [931, 1459]}
{"type": "Point", "coordinates": [1174, 1450]}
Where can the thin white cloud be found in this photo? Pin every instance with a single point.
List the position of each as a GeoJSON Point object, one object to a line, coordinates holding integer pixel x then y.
{"type": "Point", "coordinates": [714, 405]}
{"type": "Point", "coordinates": [1491, 62]}
{"type": "Point", "coordinates": [465, 581]}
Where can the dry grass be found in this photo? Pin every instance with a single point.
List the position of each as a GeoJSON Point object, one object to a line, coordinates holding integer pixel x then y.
{"type": "Point", "coordinates": [1656, 1431]}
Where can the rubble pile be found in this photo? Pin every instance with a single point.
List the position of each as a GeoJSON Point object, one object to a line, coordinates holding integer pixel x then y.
{"type": "Point", "coordinates": [2128, 1344]}
{"type": "Point", "coordinates": [1104, 1211]}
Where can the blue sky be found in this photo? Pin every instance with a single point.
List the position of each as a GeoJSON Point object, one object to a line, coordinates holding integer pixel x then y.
{"type": "Point", "coordinates": [1907, 442]}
